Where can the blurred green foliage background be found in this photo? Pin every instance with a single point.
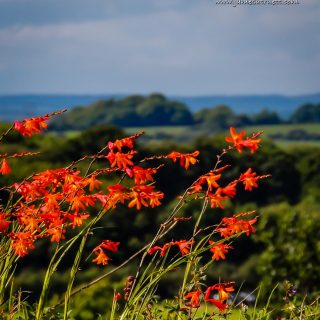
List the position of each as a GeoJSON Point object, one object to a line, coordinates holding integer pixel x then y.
{"type": "Point", "coordinates": [286, 245]}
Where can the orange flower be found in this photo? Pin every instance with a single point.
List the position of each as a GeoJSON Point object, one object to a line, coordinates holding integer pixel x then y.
{"type": "Point", "coordinates": [22, 242]}
{"type": "Point", "coordinates": [185, 159]}
{"type": "Point", "coordinates": [101, 258]}
{"type": "Point", "coordinates": [138, 199]}
{"type": "Point", "coordinates": [56, 231]}
{"type": "Point", "coordinates": [116, 193]}
{"type": "Point", "coordinates": [51, 201]}
{"type": "Point", "coordinates": [252, 144]}
{"type": "Point", "coordinates": [28, 127]}
{"type": "Point", "coordinates": [195, 188]}
{"type": "Point", "coordinates": [223, 291]}
{"type": "Point", "coordinates": [120, 160]}
{"type": "Point", "coordinates": [154, 199]}
{"type": "Point", "coordinates": [4, 169]}
{"type": "Point", "coordinates": [194, 297]}
{"type": "Point", "coordinates": [109, 245]}
{"type": "Point", "coordinates": [184, 246]}
{"type": "Point", "coordinates": [219, 250]}
{"type": "Point", "coordinates": [30, 223]}
{"type": "Point", "coordinates": [249, 179]}
{"type": "Point", "coordinates": [162, 249]}
{"type": "Point", "coordinates": [240, 143]}
{"type": "Point", "coordinates": [125, 142]}
{"type": "Point", "coordinates": [77, 219]}
{"type": "Point", "coordinates": [211, 179]}
{"type": "Point", "coordinates": [93, 183]}
{"type": "Point", "coordinates": [140, 194]}
{"type": "Point", "coordinates": [141, 175]}
{"type": "Point", "coordinates": [230, 190]}
{"type": "Point", "coordinates": [216, 198]}
{"type": "Point", "coordinates": [80, 201]}
{"type": "Point", "coordinates": [4, 224]}
{"type": "Point", "coordinates": [233, 225]}
{"type": "Point", "coordinates": [236, 138]}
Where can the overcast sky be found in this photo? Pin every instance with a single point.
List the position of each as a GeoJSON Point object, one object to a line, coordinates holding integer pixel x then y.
{"type": "Point", "coordinates": [185, 47]}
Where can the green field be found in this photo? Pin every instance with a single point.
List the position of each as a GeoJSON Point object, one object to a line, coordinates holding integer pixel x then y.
{"type": "Point", "coordinates": [188, 133]}
{"type": "Point", "coordinates": [174, 130]}
{"type": "Point", "coordinates": [284, 128]}
{"type": "Point", "coordinates": [185, 134]}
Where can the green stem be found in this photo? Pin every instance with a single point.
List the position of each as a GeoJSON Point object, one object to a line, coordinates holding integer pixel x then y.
{"type": "Point", "coordinates": [73, 273]}
{"type": "Point", "coordinates": [50, 271]}
{"type": "Point", "coordinates": [190, 261]}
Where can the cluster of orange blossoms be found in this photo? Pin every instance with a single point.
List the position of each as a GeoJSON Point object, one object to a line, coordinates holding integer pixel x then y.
{"type": "Point", "coordinates": [219, 250]}
{"type": "Point", "coordinates": [183, 245]}
{"type": "Point", "coordinates": [185, 159]}
{"type": "Point", "coordinates": [223, 290]}
{"type": "Point", "coordinates": [235, 225]}
{"type": "Point", "coordinates": [29, 127]}
{"type": "Point", "coordinates": [101, 257]}
{"type": "Point", "coordinates": [238, 142]}
{"type": "Point", "coordinates": [208, 187]}
{"type": "Point", "coordinates": [52, 201]}
{"type": "Point", "coordinates": [209, 182]}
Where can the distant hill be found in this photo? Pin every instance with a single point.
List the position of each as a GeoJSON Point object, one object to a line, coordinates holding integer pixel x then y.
{"type": "Point", "coordinates": [13, 107]}
{"type": "Point", "coordinates": [130, 111]}
{"type": "Point", "coordinates": [249, 104]}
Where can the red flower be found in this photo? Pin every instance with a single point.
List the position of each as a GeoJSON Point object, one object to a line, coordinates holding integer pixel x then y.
{"type": "Point", "coordinates": [141, 193]}
{"type": "Point", "coordinates": [162, 249]}
{"type": "Point", "coordinates": [240, 143]}
{"type": "Point", "coordinates": [109, 245]}
{"type": "Point", "coordinates": [56, 231]}
{"type": "Point", "coordinates": [249, 179]}
{"type": "Point", "coordinates": [230, 190]}
{"type": "Point", "coordinates": [236, 138]}
{"type": "Point", "coordinates": [93, 183]}
{"type": "Point", "coordinates": [117, 193]}
{"type": "Point", "coordinates": [77, 219]}
{"type": "Point", "coordinates": [4, 169]}
{"type": "Point", "coordinates": [216, 198]}
{"type": "Point", "coordinates": [22, 242]}
{"type": "Point", "coordinates": [125, 142]}
{"type": "Point", "coordinates": [223, 291]}
{"type": "Point", "coordinates": [141, 175]}
{"type": "Point", "coordinates": [211, 179]}
{"type": "Point", "coordinates": [101, 257]}
{"type": "Point", "coordinates": [120, 160]}
{"type": "Point", "coordinates": [4, 224]}
{"type": "Point", "coordinates": [117, 296]}
{"type": "Point", "coordinates": [194, 297]}
{"type": "Point", "coordinates": [185, 159]}
{"type": "Point", "coordinates": [219, 250]}
{"type": "Point", "coordinates": [234, 225]}
{"type": "Point", "coordinates": [184, 246]}
{"type": "Point", "coordinates": [251, 144]}
{"type": "Point", "coordinates": [28, 127]}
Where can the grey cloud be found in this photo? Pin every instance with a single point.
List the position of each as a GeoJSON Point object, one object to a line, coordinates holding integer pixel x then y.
{"type": "Point", "coordinates": [43, 12]}
{"type": "Point", "coordinates": [200, 48]}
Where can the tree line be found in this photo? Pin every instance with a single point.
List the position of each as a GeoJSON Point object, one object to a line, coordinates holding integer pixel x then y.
{"type": "Point", "coordinates": [157, 110]}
